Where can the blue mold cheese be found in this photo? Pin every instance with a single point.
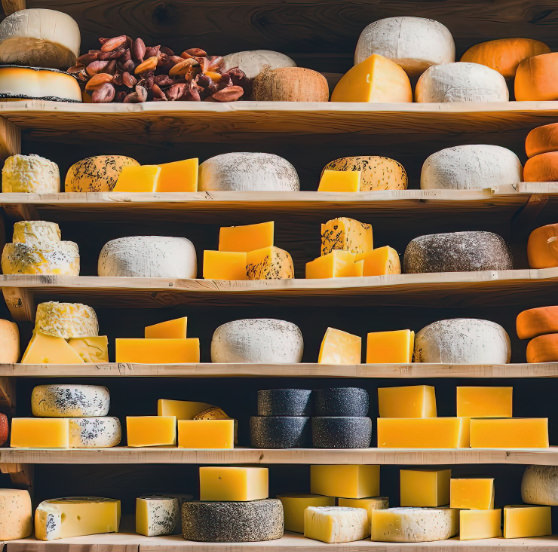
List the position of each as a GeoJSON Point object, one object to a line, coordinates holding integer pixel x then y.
{"type": "Point", "coordinates": [69, 400]}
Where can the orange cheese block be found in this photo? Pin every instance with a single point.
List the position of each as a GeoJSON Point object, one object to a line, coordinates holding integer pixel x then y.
{"type": "Point", "coordinates": [206, 434]}
{"type": "Point", "coordinates": [337, 264]}
{"type": "Point", "coordinates": [505, 54]}
{"type": "Point", "coordinates": [541, 140]}
{"type": "Point", "coordinates": [509, 432]}
{"type": "Point", "coordinates": [4, 429]}
{"type": "Point", "coordinates": [151, 431]}
{"type": "Point", "coordinates": [473, 493]}
{"type": "Point", "coordinates": [269, 263]}
{"type": "Point", "coordinates": [542, 247]}
{"type": "Point", "coordinates": [535, 78]}
{"type": "Point", "coordinates": [171, 329]}
{"type": "Point", "coordinates": [423, 432]}
{"type": "Point", "coordinates": [543, 348]}
{"type": "Point", "coordinates": [533, 322]}
{"type": "Point", "coordinates": [9, 342]}
{"type": "Point", "coordinates": [388, 347]}
{"type": "Point", "coordinates": [157, 351]}
{"type": "Point", "coordinates": [484, 402]}
{"type": "Point", "coordinates": [339, 181]}
{"type": "Point", "coordinates": [178, 176]}
{"type": "Point", "coordinates": [144, 178]}
{"type": "Point", "coordinates": [542, 167]}
{"type": "Point", "coordinates": [40, 433]}
{"type": "Point", "coordinates": [380, 261]}
{"type": "Point", "coordinates": [246, 238]}
{"type": "Point", "coordinates": [340, 347]}
{"type": "Point", "coordinates": [224, 265]}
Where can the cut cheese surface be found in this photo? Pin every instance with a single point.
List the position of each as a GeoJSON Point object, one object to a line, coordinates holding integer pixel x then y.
{"type": "Point", "coordinates": [158, 350]}
{"type": "Point", "coordinates": [60, 258]}
{"type": "Point", "coordinates": [543, 348]}
{"type": "Point", "coordinates": [30, 173]}
{"type": "Point", "coordinates": [527, 521]}
{"type": "Point", "coordinates": [339, 347]}
{"type": "Point", "coordinates": [144, 178]}
{"type": "Point", "coordinates": [9, 342]}
{"type": "Point", "coordinates": [69, 400]}
{"type": "Point", "coordinates": [484, 402]}
{"type": "Point", "coordinates": [40, 433]}
{"type": "Point", "coordinates": [170, 329]}
{"type": "Point", "coordinates": [424, 488]}
{"type": "Point", "coordinates": [157, 515]}
{"type": "Point", "coordinates": [509, 433]}
{"type": "Point", "coordinates": [540, 485]}
{"type": "Point", "coordinates": [339, 181]}
{"type": "Point", "coordinates": [412, 401]}
{"type": "Point", "coordinates": [542, 167]}
{"type": "Point", "coordinates": [16, 521]}
{"type": "Point", "coordinates": [534, 79]}
{"type": "Point", "coordinates": [336, 524]}
{"type": "Point", "coordinates": [150, 431]}
{"type": "Point", "coordinates": [480, 524]}
{"type": "Point", "coordinates": [45, 349]}
{"type": "Point", "coordinates": [206, 434]}
{"type": "Point", "coordinates": [542, 139]}
{"type": "Point", "coordinates": [226, 483]}
{"type": "Point", "coordinates": [182, 410]}
{"type": "Point", "coordinates": [67, 320]}
{"type": "Point", "coordinates": [269, 263]}
{"type": "Point", "coordinates": [423, 432]}
{"type": "Point", "coordinates": [36, 232]}
{"type": "Point", "coordinates": [346, 234]}
{"type": "Point", "coordinates": [96, 174]}
{"type": "Point", "coordinates": [91, 349]}
{"type": "Point", "coordinates": [294, 506]}
{"type": "Point", "coordinates": [246, 238]}
{"type": "Point", "coordinates": [178, 176]}
{"type": "Point", "coordinates": [472, 493]}
{"type": "Point", "coordinates": [380, 261]}
{"type": "Point", "coordinates": [542, 247]}
{"type": "Point", "coordinates": [345, 480]}
{"type": "Point", "coordinates": [224, 265]}
{"type": "Point", "coordinates": [336, 264]}
{"type": "Point", "coordinates": [388, 347]}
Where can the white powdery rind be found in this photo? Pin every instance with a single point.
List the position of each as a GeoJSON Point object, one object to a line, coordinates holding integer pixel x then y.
{"type": "Point", "coordinates": [66, 320]}
{"type": "Point", "coordinates": [69, 400]}
{"type": "Point", "coordinates": [540, 485]}
{"type": "Point", "coordinates": [99, 432]}
{"type": "Point", "coordinates": [253, 62]}
{"type": "Point", "coordinates": [30, 173]}
{"type": "Point", "coordinates": [60, 258]}
{"type": "Point", "coordinates": [36, 232]}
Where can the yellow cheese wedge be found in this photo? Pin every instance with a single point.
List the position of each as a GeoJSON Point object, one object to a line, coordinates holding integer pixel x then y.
{"type": "Point", "coordinates": [40, 433]}
{"type": "Point", "coordinates": [158, 351]}
{"type": "Point", "coordinates": [206, 434]}
{"type": "Point", "coordinates": [346, 234]}
{"type": "Point", "coordinates": [509, 433]}
{"type": "Point", "coordinates": [339, 181]}
{"type": "Point", "coordinates": [368, 504]}
{"type": "Point", "coordinates": [224, 265]}
{"type": "Point", "coordinates": [178, 176]}
{"type": "Point", "coordinates": [294, 506]}
{"type": "Point", "coordinates": [480, 524]}
{"type": "Point", "coordinates": [337, 264]}
{"type": "Point", "coordinates": [246, 238]}
{"type": "Point", "coordinates": [423, 432]}
{"type": "Point", "coordinates": [380, 261]}
{"type": "Point", "coordinates": [473, 493]}
{"type": "Point", "coordinates": [45, 349]}
{"type": "Point", "coordinates": [91, 349]}
{"type": "Point", "coordinates": [170, 329]}
{"type": "Point", "coordinates": [227, 483]}
{"type": "Point", "coordinates": [340, 347]}
{"type": "Point", "coordinates": [182, 410]}
{"type": "Point", "coordinates": [424, 487]}
{"type": "Point", "coordinates": [269, 263]}
{"type": "Point", "coordinates": [151, 431]}
{"type": "Point", "coordinates": [484, 402]}
{"type": "Point", "coordinates": [388, 347]}
{"type": "Point", "coordinates": [345, 480]}
{"type": "Point", "coordinates": [527, 521]}
{"type": "Point", "coordinates": [410, 401]}
{"type": "Point", "coordinates": [138, 179]}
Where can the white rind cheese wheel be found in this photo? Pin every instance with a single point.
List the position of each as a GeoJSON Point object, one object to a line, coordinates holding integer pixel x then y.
{"type": "Point", "coordinates": [253, 62]}
{"type": "Point", "coordinates": [157, 515]}
{"type": "Point", "coordinates": [540, 485]}
{"type": "Point", "coordinates": [470, 167]}
{"type": "Point", "coordinates": [66, 320]}
{"type": "Point", "coordinates": [461, 82]}
{"type": "Point", "coordinates": [69, 400]}
{"type": "Point", "coordinates": [97, 432]}
{"type": "Point", "coordinates": [261, 340]}
{"type": "Point", "coordinates": [36, 232]}
{"type": "Point", "coordinates": [30, 173]}
{"type": "Point", "coordinates": [60, 258]}
{"type": "Point", "coordinates": [39, 37]}
{"type": "Point", "coordinates": [248, 172]}
{"type": "Point", "coordinates": [148, 257]}
{"type": "Point", "coordinates": [463, 341]}
{"type": "Point", "coordinates": [16, 521]}
{"type": "Point", "coordinates": [415, 43]}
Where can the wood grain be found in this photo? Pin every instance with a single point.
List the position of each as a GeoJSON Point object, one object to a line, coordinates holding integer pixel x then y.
{"type": "Point", "coordinates": [20, 303]}
{"type": "Point", "coordinates": [11, 6]}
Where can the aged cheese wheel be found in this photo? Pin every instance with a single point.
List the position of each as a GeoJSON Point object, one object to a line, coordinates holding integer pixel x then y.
{"type": "Point", "coordinates": [542, 247]}
{"type": "Point", "coordinates": [341, 401]}
{"type": "Point", "coordinates": [16, 521]}
{"type": "Point", "coordinates": [48, 258]}
{"type": "Point", "coordinates": [415, 43]}
{"type": "Point", "coordinates": [461, 82]}
{"type": "Point", "coordinates": [505, 54]}
{"type": "Point", "coordinates": [9, 342]}
{"type": "Point", "coordinates": [470, 167]}
{"type": "Point", "coordinates": [542, 168]}
{"type": "Point", "coordinates": [66, 320]}
{"type": "Point", "coordinates": [284, 402]}
{"type": "Point", "coordinates": [148, 257]}
{"type": "Point", "coordinates": [33, 83]}
{"type": "Point", "coordinates": [341, 432]}
{"type": "Point", "coordinates": [36, 232]}
{"type": "Point", "coordinates": [542, 139]}
{"type": "Point", "coordinates": [543, 348]}
{"type": "Point", "coordinates": [463, 341]}
{"type": "Point", "coordinates": [248, 172]}
{"type": "Point", "coordinates": [533, 322]}
{"type": "Point", "coordinates": [457, 252]}
{"type": "Point", "coordinates": [262, 340]}
{"type": "Point", "coordinates": [97, 174]}
{"type": "Point", "coordinates": [30, 173]}
{"type": "Point", "coordinates": [253, 62]}
{"type": "Point", "coordinates": [4, 429]}
{"type": "Point", "coordinates": [280, 432]}
{"type": "Point", "coordinates": [290, 84]}
{"type": "Point", "coordinates": [535, 78]}
{"type": "Point", "coordinates": [69, 400]}
{"type": "Point", "coordinates": [104, 432]}
{"type": "Point", "coordinates": [540, 485]}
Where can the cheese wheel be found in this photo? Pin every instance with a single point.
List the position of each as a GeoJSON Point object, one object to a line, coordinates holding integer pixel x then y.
{"type": "Point", "coordinates": [97, 432]}
{"type": "Point", "coordinates": [470, 167]}
{"type": "Point", "coordinates": [336, 432]}
{"type": "Point", "coordinates": [543, 348]}
{"type": "Point", "coordinates": [457, 252]}
{"type": "Point", "coordinates": [30, 173]}
{"type": "Point", "coordinates": [16, 521]}
{"type": "Point", "coordinates": [36, 232]}
{"type": "Point", "coordinates": [97, 174]}
{"type": "Point", "coordinates": [290, 84]}
{"type": "Point", "coordinates": [461, 82]}
{"type": "Point", "coordinates": [48, 258]}
{"type": "Point", "coordinates": [261, 340]}
{"type": "Point", "coordinates": [540, 485]}
{"type": "Point", "coordinates": [542, 139]}
{"type": "Point", "coordinates": [248, 172]}
{"type": "Point", "coordinates": [463, 341]}
{"type": "Point", "coordinates": [253, 62]}
{"type": "Point", "coordinates": [415, 43]}
{"type": "Point", "coordinates": [280, 432]}
{"type": "Point", "coordinates": [505, 54]}
{"type": "Point", "coordinates": [542, 168]}
{"type": "Point", "coordinates": [535, 78]}
{"type": "Point", "coordinates": [148, 257]}
{"type": "Point", "coordinates": [542, 247]}
{"type": "Point", "coordinates": [284, 402]}
{"type": "Point", "coordinates": [533, 322]}
{"type": "Point", "coordinates": [9, 342]}
{"type": "Point", "coordinates": [69, 400]}
{"type": "Point", "coordinates": [66, 320]}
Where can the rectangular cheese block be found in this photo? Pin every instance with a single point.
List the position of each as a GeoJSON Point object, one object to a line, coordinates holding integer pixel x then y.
{"type": "Point", "coordinates": [294, 506]}
{"type": "Point", "coordinates": [40, 433]}
{"type": "Point", "coordinates": [227, 483]}
{"type": "Point", "coordinates": [423, 432]}
{"type": "Point", "coordinates": [157, 351]}
{"type": "Point", "coordinates": [409, 401]}
{"type": "Point", "coordinates": [178, 176]}
{"type": "Point", "coordinates": [390, 347]}
{"type": "Point", "coordinates": [334, 524]}
{"type": "Point", "coordinates": [246, 238]}
{"type": "Point", "coordinates": [346, 234]}
{"type": "Point", "coordinates": [484, 402]}
{"type": "Point", "coordinates": [91, 349]}
{"type": "Point", "coordinates": [337, 264]}
{"type": "Point", "coordinates": [182, 410]}
{"type": "Point", "coordinates": [509, 432]}
{"type": "Point", "coordinates": [527, 521]}
{"type": "Point", "coordinates": [380, 261]}
{"type": "Point", "coordinates": [480, 524]}
{"type": "Point", "coordinates": [47, 349]}
{"type": "Point", "coordinates": [339, 181]}
{"type": "Point", "coordinates": [133, 178]}
{"type": "Point", "coordinates": [424, 487]}
{"type": "Point", "coordinates": [224, 265]}
{"type": "Point", "coordinates": [206, 434]}
{"type": "Point", "coordinates": [472, 493]}
{"type": "Point", "coordinates": [151, 431]}
{"type": "Point", "coordinates": [339, 347]}
{"type": "Point", "coordinates": [345, 480]}
{"type": "Point", "coordinates": [269, 263]}
{"type": "Point", "coordinates": [170, 329]}
{"type": "Point", "coordinates": [368, 504]}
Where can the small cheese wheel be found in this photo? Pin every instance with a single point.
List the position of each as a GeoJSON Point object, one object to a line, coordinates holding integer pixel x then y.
{"type": "Point", "coordinates": [542, 247]}
{"type": "Point", "coordinates": [148, 257]}
{"type": "Point", "coordinates": [66, 320]}
{"type": "Point", "coordinates": [337, 432]}
{"type": "Point", "coordinates": [36, 232]}
{"type": "Point", "coordinates": [542, 139]}
{"type": "Point", "coordinates": [461, 82]}
{"type": "Point", "coordinates": [284, 402]}
{"type": "Point", "coordinates": [9, 342]}
{"type": "Point", "coordinates": [463, 341]}
{"type": "Point", "coordinates": [415, 43]}
{"type": "Point", "coordinates": [280, 432]}
{"type": "Point", "coordinates": [290, 84]}
{"type": "Point", "coordinates": [69, 400]}
{"type": "Point", "coordinates": [542, 168]}
{"type": "Point", "coordinates": [261, 340]}
{"type": "Point", "coordinates": [4, 430]}
{"type": "Point", "coordinates": [104, 432]}
{"type": "Point", "coordinates": [543, 348]}
{"type": "Point", "coordinates": [30, 173]}
{"type": "Point", "coordinates": [341, 401]}
{"type": "Point", "coordinates": [535, 78]}
{"type": "Point", "coordinates": [97, 174]}
{"type": "Point", "coordinates": [248, 172]}
{"type": "Point", "coordinates": [457, 252]}
{"type": "Point", "coordinates": [16, 521]}
{"type": "Point", "coordinates": [540, 485]}
{"type": "Point", "coordinates": [470, 167]}
{"type": "Point", "coordinates": [533, 322]}
{"type": "Point", "coordinates": [253, 62]}
{"type": "Point", "coordinates": [48, 258]}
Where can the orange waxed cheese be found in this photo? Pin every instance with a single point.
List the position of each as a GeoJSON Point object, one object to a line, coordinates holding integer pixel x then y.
{"type": "Point", "coordinates": [509, 432]}
{"type": "Point", "coordinates": [542, 247]}
{"type": "Point", "coordinates": [247, 237]}
{"type": "Point", "coordinates": [170, 329]}
{"type": "Point", "coordinates": [224, 265]}
{"type": "Point", "coordinates": [539, 321]}
{"type": "Point", "coordinates": [206, 434]}
{"type": "Point", "coordinates": [380, 261]}
{"type": "Point", "coordinates": [423, 432]}
{"type": "Point", "coordinates": [543, 348]}
{"type": "Point", "coordinates": [339, 181]}
{"type": "Point", "coordinates": [151, 431]}
{"type": "Point", "coordinates": [340, 347]}
{"type": "Point", "coordinates": [542, 139]}
{"type": "Point", "coordinates": [337, 264]}
{"type": "Point", "coordinates": [9, 342]}
{"type": "Point", "coordinates": [542, 167]}
{"type": "Point", "coordinates": [269, 263]}
{"type": "Point", "coordinates": [535, 79]}
{"type": "Point", "coordinates": [178, 176]}
{"type": "Point", "coordinates": [388, 347]}
{"type": "Point", "coordinates": [157, 351]}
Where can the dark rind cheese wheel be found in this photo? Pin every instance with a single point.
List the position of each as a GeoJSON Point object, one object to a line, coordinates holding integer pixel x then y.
{"type": "Point", "coordinates": [341, 401]}
{"type": "Point", "coordinates": [284, 402]}
{"type": "Point", "coordinates": [280, 432]}
{"type": "Point", "coordinates": [252, 521]}
{"type": "Point", "coordinates": [3, 429]}
{"type": "Point", "coordinates": [341, 432]}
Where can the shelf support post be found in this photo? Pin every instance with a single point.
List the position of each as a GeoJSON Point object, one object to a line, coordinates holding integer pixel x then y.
{"type": "Point", "coordinates": [11, 6]}
{"type": "Point", "coordinates": [20, 474]}
{"type": "Point", "coordinates": [20, 303]}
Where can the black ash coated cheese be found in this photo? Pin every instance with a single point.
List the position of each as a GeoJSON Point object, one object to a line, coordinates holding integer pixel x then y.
{"type": "Point", "coordinates": [284, 402]}
{"type": "Point", "coordinates": [341, 401]}
{"type": "Point", "coordinates": [279, 432]}
{"type": "Point", "coordinates": [338, 432]}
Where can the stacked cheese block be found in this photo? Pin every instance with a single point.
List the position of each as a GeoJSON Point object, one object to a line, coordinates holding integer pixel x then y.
{"type": "Point", "coordinates": [541, 147]}
{"type": "Point", "coordinates": [540, 326]}
{"type": "Point", "coordinates": [30, 174]}
{"type": "Point", "coordinates": [247, 253]}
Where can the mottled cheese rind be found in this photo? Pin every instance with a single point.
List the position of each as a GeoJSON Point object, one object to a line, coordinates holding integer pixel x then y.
{"type": "Point", "coordinates": [97, 432]}
{"type": "Point", "coordinates": [540, 485]}
{"type": "Point", "coordinates": [346, 234]}
{"type": "Point", "coordinates": [30, 173]}
{"type": "Point", "coordinates": [36, 232]}
{"type": "Point", "coordinates": [69, 400]}
{"type": "Point", "coordinates": [59, 258]}
{"type": "Point", "coordinates": [16, 521]}
{"type": "Point", "coordinates": [253, 62]}
{"type": "Point", "coordinates": [97, 174]}
{"type": "Point", "coordinates": [269, 263]}
{"type": "Point", "coordinates": [336, 524]}
{"type": "Point", "coordinates": [157, 515]}
{"type": "Point", "coordinates": [66, 320]}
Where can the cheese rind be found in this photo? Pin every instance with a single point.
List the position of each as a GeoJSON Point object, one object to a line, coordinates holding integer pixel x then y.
{"type": "Point", "coordinates": [410, 401]}
{"type": "Point", "coordinates": [231, 483]}
{"type": "Point", "coordinates": [484, 402]}
{"type": "Point", "coordinates": [540, 485]}
{"type": "Point", "coordinates": [157, 515]}
{"type": "Point", "coordinates": [36, 232]}
{"type": "Point", "coordinates": [424, 488]}
{"type": "Point", "coordinates": [253, 62]}
{"type": "Point", "coordinates": [542, 247]}
{"type": "Point", "coordinates": [472, 493]}
{"type": "Point", "coordinates": [346, 234]}
{"type": "Point", "coordinates": [60, 258]}
{"type": "Point", "coordinates": [423, 432]}
{"type": "Point", "coordinates": [290, 84]}
{"type": "Point", "coordinates": [98, 432]}
{"type": "Point", "coordinates": [46, 349]}
{"type": "Point", "coordinates": [151, 431]}
{"type": "Point", "coordinates": [40, 433]}
{"type": "Point", "coordinates": [339, 347]}
{"type": "Point", "coordinates": [16, 521]}
{"type": "Point", "coordinates": [96, 174]}
{"type": "Point", "coordinates": [534, 80]}
{"type": "Point", "coordinates": [9, 342]}
{"type": "Point", "coordinates": [66, 320]}
{"type": "Point", "coordinates": [336, 524]}
{"type": "Point", "coordinates": [542, 139]}
{"type": "Point", "coordinates": [538, 321]}
{"type": "Point", "coordinates": [30, 173]}
{"type": "Point", "coordinates": [509, 433]}
{"type": "Point", "coordinates": [69, 400]}
{"type": "Point", "coordinates": [480, 524]}
{"type": "Point", "coordinates": [345, 480]}
{"type": "Point", "coordinates": [294, 506]}
{"type": "Point", "coordinates": [157, 351]}
{"type": "Point", "coordinates": [524, 521]}
{"type": "Point", "coordinates": [269, 263]}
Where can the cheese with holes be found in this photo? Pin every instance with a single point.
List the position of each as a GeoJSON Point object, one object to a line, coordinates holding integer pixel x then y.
{"type": "Point", "coordinates": [380, 262]}
{"type": "Point", "coordinates": [336, 264]}
{"type": "Point", "coordinates": [16, 521]}
{"type": "Point", "coordinates": [260, 340]}
{"type": "Point", "coordinates": [9, 342]}
{"type": "Point", "coordinates": [97, 432]}
{"type": "Point", "coordinates": [480, 524]}
{"type": "Point", "coordinates": [69, 400]}
{"type": "Point", "coordinates": [461, 82]}
{"type": "Point", "coordinates": [484, 402]}
{"type": "Point", "coordinates": [388, 347]}
{"type": "Point", "coordinates": [246, 238]}
{"type": "Point", "coordinates": [542, 167]}
{"type": "Point", "coordinates": [61, 518]}
{"type": "Point", "coordinates": [423, 432]}
{"type": "Point", "coordinates": [534, 78]}
{"type": "Point", "coordinates": [224, 265]}
{"type": "Point", "coordinates": [158, 350]}
{"type": "Point", "coordinates": [228, 483]}
{"type": "Point", "coordinates": [409, 401]}
{"type": "Point", "coordinates": [97, 174]}
{"type": "Point", "coordinates": [206, 434]}
{"type": "Point", "coordinates": [336, 524]}
{"type": "Point", "coordinates": [345, 480]}
{"type": "Point", "coordinates": [46, 349]}
{"type": "Point", "coordinates": [248, 172]}
{"type": "Point", "coordinates": [61, 258]}
{"type": "Point", "coordinates": [368, 504]}
{"type": "Point", "coordinates": [182, 410]}
{"type": "Point", "coordinates": [540, 485]}
{"type": "Point", "coordinates": [91, 349]}
{"type": "Point", "coordinates": [339, 347]}
{"type": "Point", "coordinates": [542, 139]}
{"type": "Point", "coordinates": [40, 433]}
{"type": "Point", "coordinates": [509, 433]}
{"type": "Point", "coordinates": [157, 515]}
{"type": "Point", "coordinates": [30, 173]}
{"type": "Point", "coordinates": [542, 247]}
{"type": "Point", "coordinates": [36, 232]}
{"type": "Point", "coordinates": [524, 521]}
{"type": "Point", "coordinates": [269, 263]}
{"type": "Point", "coordinates": [148, 257]}
{"type": "Point", "coordinates": [170, 329]}
{"type": "Point", "coordinates": [472, 493]}
{"type": "Point", "coordinates": [470, 167]}
{"type": "Point", "coordinates": [66, 320]}
{"type": "Point", "coordinates": [415, 43]}
{"type": "Point", "coordinates": [151, 431]}
{"type": "Point", "coordinates": [253, 62]}
{"type": "Point", "coordinates": [294, 506]}
{"type": "Point", "coordinates": [424, 487]}
{"type": "Point", "coordinates": [178, 176]}
{"type": "Point", "coordinates": [463, 341]}
{"type": "Point", "coordinates": [346, 234]}
{"type": "Point", "coordinates": [339, 181]}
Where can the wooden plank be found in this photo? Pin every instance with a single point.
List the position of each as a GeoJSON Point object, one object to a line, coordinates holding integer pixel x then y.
{"type": "Point", "coordinates": [10, 137]}
{"type": "Point", "coordinates": [20, 303]}
{"type": "Point", "coordinates": [11, 6]}
{"type": "Point", "coordinates": [20, 474]}
{"type": "Point", "coordinates": [7, 393]}
{"type": "Point", "coordinates": [109, 542]}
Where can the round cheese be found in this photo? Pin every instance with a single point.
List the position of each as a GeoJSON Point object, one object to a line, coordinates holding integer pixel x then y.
{"type": "Point", "coordinates": [470, 167]}
{"type": "Point", "coordinates": [97, 174]}
{"type": "Point", "coordinates": [280, 432]}
{"type": "Point", "coordinates": [66, 320]}
{"type": "Point", "coordinates": [538, 321]}
{"type": "Point", "coordinates": [463, 341]}
{"type": "Point", "coordinates": [542, 139]}
{"type": "Point", "coordinates": [290, 84]}
{"type": "Point", "coordinates": [48, 258]}
{"type": "Point", "coordinates": [543, 348]}
{"type": "Point", "coordinates": [542, 167]}
{"type": "Point", "coordinates": [16, 521]}
{"type": "Point", "coordinates": [542, 247]}
{"type": "Point", "coordinates": [284, 402]}
{"type": "Point", "coordinates": [261, 340]}
{"type": "Point", "coordinates": [248, 172]}
{"type": "Point", "coordinates": [148, 257]}
{"type": "Point", "coordinates": [415, 43]}
{"type": "Point", "coordinates": [30, 173]}
{"type": "Point", "coordinates": [102, 432]}
{"type": "Point", "coordinates": [9, 342]}
{"type": "Point", "coordinates": [157, 515]}
{"type": "Point", "coordinates": [253, 62]}
{"type": "Point", "coordinates": [36, 232]}
{"type": "Point", "coordinates": [69, 400]}
{"type": "Point", "coordinates": [535, 78]}
{"type": "Point", "coordinates": [540, 485]}
{"type": "Point", "coordinates": [341, 432]}
{"type": "Point", "coordinates": [457, 252]}
{"type": "Point", "coordinates": [341, 401]}
{"type": "Point", "coordinates": [461, 82]}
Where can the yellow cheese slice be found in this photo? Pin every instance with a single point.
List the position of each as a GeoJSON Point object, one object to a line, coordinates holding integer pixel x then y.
{"type": "Point", "coordinates": [345, 480]}
{"type": "Point", "coordinates": [158, 351]}
{"type": "Point", "coordinates": [389, 347]}
{"type": "Point", "coordinates": [480, 524]}
{"type": "Point", "coordinates": [206, 434]}
{"type": "Point", "coordinates": [339, 347]}
{"type": "Point", "coordinates": [226, 483]}
{"type": "Point", "coordinates": [246, 238]}
{"type": "Point", "coordinates": [424, 488]}
{"type": "Point", "coordinates": [151, 431]}
{"type": "Point", "coordinates": [224, 265]}
{"type": "Point", "coordinates": [380, 261]}
{"type": "Point", "coordinates": [182, 410]}
{"type": "Point", "coordinates": [473, 493]}
{"type": "Point", "coordinates": [336, 264]}
{"type": "Point", "coordinates": [178, 176]}
{"type": "Point", "coordinates": [40, 433]}
{"type": "Point", "coordinates": [408, 401]}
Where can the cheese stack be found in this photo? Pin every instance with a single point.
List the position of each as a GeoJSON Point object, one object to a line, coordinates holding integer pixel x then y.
{"type": "Point", "coordinates": [540, 326]}
{"type": "Point", "coordinates": [541, 147]}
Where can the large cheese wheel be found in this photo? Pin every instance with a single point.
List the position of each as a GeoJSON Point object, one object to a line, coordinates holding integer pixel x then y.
{"type": "Point", "coordinates": [542, 139]}
{"type": "Point", "coordinates": [533, 322]}
{"type": "Point", "coordinates": [16, 521]}
{"type": "Point", "coordinates": [415, 43]}
{"type": "Point", "coordinates": [470, 167]}
{"type": "Point", "coordinates": [463, 341]}
{"type": "Point", "coordinates": [248, 172]}
{"type": "Point", "coordinates": [97, 174]}
{"type": "Point", "coordinates": [535, 78]}
{"type": "Point", "coordinates": [30, 173]}
{"type": "Point", "coordinates": [36, 232]}
{"type": "Point", "coordinates": [261, 340]}
{"type": "Point", "coordinates": [253, 62]}
{"type": "Point", "coordinates": [148, 257]}
{"type": "Point", "coordinates": [9, 342]}
{"type": "Point", "coordinates": [540, 485]}
{"type": "Point", "coordinates": [461, 82]}
{"type": "Point", "coordinates": [457, 252]}
{"type": "Point", "coordinates": [542, 247]}
{"type": "Point", "coordinates": [104, 432]}
{"type": "Point", "coordinates": [542, 168]}
{"type": "Point", "coordinates": [543, 348]}
{"type": "Point", "coordinates": [290, 84]}
{"type": "Point", "coordinates": [48, 258]}
{"type": "Point", "coordinates": [69, 400]}
{"type": "Point", "coordinates": [66, 320]}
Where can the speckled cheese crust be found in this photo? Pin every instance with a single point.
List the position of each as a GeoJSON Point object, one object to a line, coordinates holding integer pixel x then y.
{"type": "Point", "coordinates": [61, 258]}
{"type": "Point", "coordinates": [96, 174]}
{"type": "Point", "coordinates": [269, 263]}
{"type": "Point", "coordinates": [99, 432]}
{"type": "Point", "coordinates": [30, 173]}
{"type": "Point", "coordinates": [339, 432]}
{"type": "Point", "coordinates": [69, 400]}
{"type": "Point", "coordinates": [540, 485]}
{"type": "Point", "coordinates": [346, 234]}
{"type": "Point", "coordinates": [336, 524]}
{"type": "Point", "coordinates": [66, 320]}
{"type": "Point", "coordinates": [280, 432]}
{"type": "Point", "coordinates": [253, 62]}
{"type": "Point", "coordinates": [36, 232]}
{"type": "Point", "coordinates": [162, 515]}
{"type": "Point", "coordinates": [16, 519]}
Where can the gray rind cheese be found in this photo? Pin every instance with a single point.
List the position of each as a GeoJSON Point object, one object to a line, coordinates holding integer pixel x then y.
{"type": "Point", "coordinates": [341, 432]}
{"type": "Point", "coordinates": [99, 432]}
{"type": "Point", "coordinates": [540, 485]}
{"type": "Point", "coordinates": [463, 341]}
{"type": "Point", "coordinates": [341, 401]}
{"type": "Point", "coordinates": [258, 340]}
{"type": "Point", "coordinates": [253, 62]}
{"type": "Point", "coordinates": [252, 521]}
{"type": "Point", "coordinates": [69, 400]}
{"type": "Point", "coordinates": [248, 172]}
{"type": "Point", "coordinates": [457, 252]}
{"type": "Point", "coordinates": [280, 432]}
{"type": "Point", "coordinates": [284, 402]}
{"type": "Point", "coordinates": [470, 167]}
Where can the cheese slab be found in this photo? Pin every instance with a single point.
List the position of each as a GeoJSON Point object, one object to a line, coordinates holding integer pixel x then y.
{"type": "Point", "coordinates": [339, 181]}
{"type": "Point", "coordinates": [40, 433]}
{"type": "Point", "coordinates": [269, 263]}
{"type": "Point", "coordinates": [484, 402]}
{"type": "Point", "coordinates": [527, 521]}
{"type": "Point", "coordinates": [336, 264]}
{"type": "Point", "coordinates": [151, 431]}
{"type": "Point", "coordinates": [224, 265]}
{"type": "Point", "coordinates": [157, 351]}
{"type": "Point", "coordinates": [539, 485]}
{"type": "Point", "coordinates": [423, 432]}
{"type": "Point", "coordinates": [67, 320]}
{"type": "Point", "coordinates": [473, 493]}
{"type": "Point", "coordinates": [143, 178]}
{"type": "Point", "coordinates": [339, 347]}
{"type": "Point", "coordinates": [182, 410]}
{"type": "Point", "coordinates": [480, 524]}
{"type": "Point", "coordinates": [390, 347]}
{"type": "Point", "coordinates": [346, 234]}
{"type": "Point", "coordinates": [178, 176]}
{"type": "Point", "coordinates": [509, 433]}
{"type": "Point", "coordinates": [231, 483]}
{"type": "Point", "coordinates": [9, 342]}
{"type": "Point", "coordinates": [409, 401]}
{"type": "Point", "coordinates": [246, 238]}
{"type": "Point", "coordinates": [170, 329]}
{"type": "Point", "coordinates": [96, 174]}
{"type": "Point", "coordinates": [46, 349]}
{"type": "Point", "coordinates": [294, 506]}
{"type": "Point", "coordinates": [16, 521]}
{"type": "Point", "coordinates": [69, 400]}
{"type": "Point", "coordinates": [30, 174]}
{"type": "Point", "coordinates": [336, 524]}
{"type": "Point", "coordinates": [206, 434]}
{"type": "Point", "coordinates": [56, 258]}
{"type": "Point", "coordinates": [424, 487]}
{"type": "Point", "coordinates": [345, 480]}
{"type": "Point", "coordinates": [380, 262]}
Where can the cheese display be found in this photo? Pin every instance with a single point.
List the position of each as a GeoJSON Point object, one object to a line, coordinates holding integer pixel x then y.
{"type": "Point", "coordinates": [368, 504]}
{"type": "Point", "coordinates": [260, 340]}
{"type": "Point", "coordinates": [170, 329]}
{"type": "Point", "coordinates": [46, 349]}
{"type": "Point", "coordinates": [294, 506]}
{"type": "Point", "coordinates": [341, 401]}
{"type": "Point", "coordinates": [290, 84]}
{"type": "Point", "coordinates": [463, 341]}
{"type": "Point", "coordinates": [538, 321]}
{"type": "Point", "coordinates": [280, 432]}
{"type": "Point", "coordinates": [345, 480]}
{"type": "Point", "coordinates": [341, 432]}
{"type": "Point", "coordinates": [337, 264]}
{"type": "Point", "coordinates": [143, 178]}
{"type": "Point", "coordinates": [336, 524]}
{"type": "Point", "coordinates": [157, 515]}
{"type": "Point", "coordinates": [56, 258]}
{"type": "Point", "coordinates": [472, 493]}
{"type": "Point", "coordinates": [540, 485]}
{"type": "Point", "coordinates": [178, 176]}
{"type": "Point", "coordinates": [67, 320]}
{"type": "Point", "coordinates": [97, 174]}
{"type": "Point", "coordinates": [484, 402]}
{"type": "Point", "coordinates": [253, 62]}
{"type": "Point", "coordinates": [246, 238]}
{"type": "Point", "coordinates": [339, 181]}
{"type": "Point", "coordinates": [542, 167]}
{"type": "Point", "coordinates": [69, 400]}
{"type": "Point", "coordinates": [36, 232]}
{"type": "Point", "coordinates": [346, 234]}
{"type": "Point", "coordinates": [374, 79]}
{"type": "Point", "coordinates": [423, 432]}
{"type": "Point", "coordinates": [509, 433]}
{"type": "Point", "coordinates": [157, 351]}
{"type": "Point", "coordinates": [390, 347]}
{"type": "Point", "coordinates": [95, 432]}
{"type": "Point", "coordinates": [61, 518]}
{"type": "Point", "coordinates": [541, 249]}
{"type": "Point", "coordinates": [284, 402]}
{"type": "Point", "coordinates": [206, 434]}
{"type": "Point", "coordinates": [224, 265]}
{"type": "Point", "coordinates": [9, 342]}
{"type": "Point", "coordinates": [410, 401]}
{"type": "Point", "coordinates": [461, 82]}
{"type": "Point", "coordinates": [542, 139]}
{"type": "Point", "coordinates": [415, 43]}
{"type": "Point", "coordinates": [380, 262]}
{"type": "Point", "coordinates": [543, 348]}
{"type": "Point", "coordinates": [30, 173]}
{"type": "Point", "coordinates": [339, 347]}
{"type": "Point", "coordinates": [151, 431]}
{"type": "Point", "coordinates": [269, 263]}
{"type": "Point", "coordinates": [248, 172]}
{"type": "Point", "coordinates": [480, 524]}
{"type": "Point", "coordinates": [534, 80]}
{"type": "Point", "coordinates": [470, 167]}
{"type": "Point", "coordinates": [16, 521]}
{"type": "Point", "coordinates": [40, 433]}
{"type": "Point", "coordinates": [424, 487]}
{"type": "Point", "coordinates": [231, 483]}
{"type": "Point", "coordinates": [527, 521]}
{"type": "Point", "coordinates": [148, 257]}
{"type": "Point", "coordinates": [182, 410]}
